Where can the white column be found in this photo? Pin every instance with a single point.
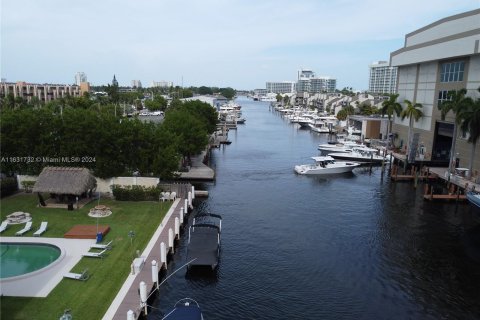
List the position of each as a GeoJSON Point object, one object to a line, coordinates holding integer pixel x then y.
{"type": "Point", "coordinates": [170, 239]}
{"type": "Point", "coordinates": [130, 315]}
{"type": "Point", "coordinates": [177, 227]}
{"type": "Point", "coordinates": [155, 272]}
{"type": "Point", "coordinates": [143, 296]}
{"type": "Point", "coordinates": [163, 254]}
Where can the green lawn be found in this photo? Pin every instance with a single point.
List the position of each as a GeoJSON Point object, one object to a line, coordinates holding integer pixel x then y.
{"type": "Point", "coordinates": [87, 299]}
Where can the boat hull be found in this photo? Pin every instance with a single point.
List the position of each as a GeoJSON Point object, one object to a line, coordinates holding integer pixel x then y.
{"type": "Point", "coordinates": [318, 170]}
{"type": "Point", "coordinates": [474, 198]}
{"type": "Point", "coordinates": [358, 158]}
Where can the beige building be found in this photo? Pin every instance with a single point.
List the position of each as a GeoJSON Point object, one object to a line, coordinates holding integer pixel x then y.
{"type": "Point", "coordinates": [439, 57]}
{"type": "Point", "coordinates": [44, 92]}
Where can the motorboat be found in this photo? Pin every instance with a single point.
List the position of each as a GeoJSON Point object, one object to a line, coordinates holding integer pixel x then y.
{"type": "Point", "coordinates": [474, 198]}
{"type": "Point", "coordinates": [203, 247]}
{"type": "Point", "coordinates": [346, 146]}
{"type": "Point", "coordinates": [326, 165]}
{"type": "Point", "coordinates": [185, 309]}
{"type": "Point", "coordinates": [364, 155]}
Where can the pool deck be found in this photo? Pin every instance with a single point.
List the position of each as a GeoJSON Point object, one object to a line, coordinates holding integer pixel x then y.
{"type": "Point", "coordinates": [40, 283]}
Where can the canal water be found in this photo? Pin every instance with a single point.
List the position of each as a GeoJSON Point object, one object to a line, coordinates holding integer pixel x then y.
{"type": "Point", "coordinates": [352, 246]}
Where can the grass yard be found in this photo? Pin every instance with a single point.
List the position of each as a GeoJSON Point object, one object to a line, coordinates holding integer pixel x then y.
{"type": "Point", "coordinates": [87, 299]}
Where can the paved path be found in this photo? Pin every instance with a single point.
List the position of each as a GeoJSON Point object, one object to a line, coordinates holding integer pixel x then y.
{"type": "Point", "coordinates": [128, 297]}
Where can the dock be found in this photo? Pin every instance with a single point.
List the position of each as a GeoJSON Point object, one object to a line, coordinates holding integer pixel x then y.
{"type": "Point", "coordinates": [161, 244]}
{"type": "Point", "coordinates": [198, 171]}
{"type": "Point", "coordinates": [456, 185]}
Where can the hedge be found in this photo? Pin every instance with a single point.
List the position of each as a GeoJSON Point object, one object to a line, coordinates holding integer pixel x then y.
{"type": "Point", "coordinates": [136, 193]}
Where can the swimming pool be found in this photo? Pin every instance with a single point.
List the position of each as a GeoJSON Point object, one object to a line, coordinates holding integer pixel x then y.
{"type": "Point", "coordinates": [21, 258]}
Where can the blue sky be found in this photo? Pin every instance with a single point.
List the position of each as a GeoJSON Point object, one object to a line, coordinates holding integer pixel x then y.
{"type": "Point", "coordinates": [236, 43]}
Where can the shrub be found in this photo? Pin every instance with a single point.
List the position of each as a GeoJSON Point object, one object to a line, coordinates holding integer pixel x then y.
{"type": "Point", "coordinates": [136, 193]}
{"type": "Point", "coordinates": [28, 185]}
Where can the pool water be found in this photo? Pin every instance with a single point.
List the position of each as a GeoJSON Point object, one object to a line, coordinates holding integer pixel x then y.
{"type": "Point", "coordinates": [21, 258]}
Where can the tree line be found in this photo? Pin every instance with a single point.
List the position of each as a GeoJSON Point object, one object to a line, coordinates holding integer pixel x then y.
{"type": "Point", "coordinates": [80, 132]}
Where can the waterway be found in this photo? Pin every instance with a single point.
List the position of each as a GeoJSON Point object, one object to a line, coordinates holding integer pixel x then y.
{"type": "Point", "coordinates": [351, 246]}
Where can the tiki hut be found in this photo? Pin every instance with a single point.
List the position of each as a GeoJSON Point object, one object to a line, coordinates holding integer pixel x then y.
{"type": "Point", "coordinates": [64, 184]}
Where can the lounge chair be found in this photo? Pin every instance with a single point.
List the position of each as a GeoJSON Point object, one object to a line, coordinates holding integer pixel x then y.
{"type": "Point", "coordinates": [77, 276]}
{"type": "Point", "coordinates": [42, 229]}
{"type": "Point", "coordinates": [106, 246]}
{"type": "Point", "coordinates": [3, 226]}
{"type": "Point", "coordinates": [173, 196]}
{"type": "Point", "coordinates": [27, 227]}
{"type": "Point", "coordinates": [95, 254]}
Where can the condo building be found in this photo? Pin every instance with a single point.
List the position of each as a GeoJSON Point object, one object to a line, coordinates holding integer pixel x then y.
{"type": "Point", "coordinates": [442, 56]}
{"type": "Point", "coordinates": [136, 84]}
{"type": "Point", "coordinates": [281, 87]}
{"type": "Point", "coordinates": [44, 92]}
{"type": "Point", "coordinates": [322, 84]}
{"type": "Point", "coordinates": [383, 78]}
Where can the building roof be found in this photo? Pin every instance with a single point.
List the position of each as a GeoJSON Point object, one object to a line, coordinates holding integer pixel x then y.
{"type": "Point", "coordinates": [65, 180]}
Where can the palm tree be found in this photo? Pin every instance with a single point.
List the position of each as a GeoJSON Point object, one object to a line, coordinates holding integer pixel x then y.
{"type": "Point", "coordinates": [412, 112]}
{"type": "Point", "coordinates": [455, 103]}
{"type": "Point", "coordinates": [390, 107]}
{"type": "Point", "coordinates": [469, 116]}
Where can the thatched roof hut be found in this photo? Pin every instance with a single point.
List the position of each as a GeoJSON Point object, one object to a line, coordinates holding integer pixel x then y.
{"type": "Point", "coordinates": [65, 180]}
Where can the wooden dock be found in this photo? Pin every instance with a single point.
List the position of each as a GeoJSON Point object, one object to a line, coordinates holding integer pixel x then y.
{"type": "Point", "coordinates": [411, 175]}
{"type": "Point", "coordinates": [128, 297]}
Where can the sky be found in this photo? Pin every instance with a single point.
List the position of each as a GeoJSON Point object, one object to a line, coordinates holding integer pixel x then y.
{"type": "Point", "coordinates": [231, 43]}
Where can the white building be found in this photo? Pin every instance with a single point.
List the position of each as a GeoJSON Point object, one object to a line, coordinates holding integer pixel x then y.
{"type": "Point", "coordinates": [442, 56]}
{"type": "Point", "coordinates": [281, 87]}
{"type": "Point", "coordinates": [80, 77]}
{"type": "Point", "coordinates": [136, 84]}
{"type": "Point", "coordinates": [322, 84]}
{"type": "Point", "coordinates": [162, 84]}
{"type": "Point", "coordinates": [303, 80]}
{"type": "Point", "coordinates": [383, 78]}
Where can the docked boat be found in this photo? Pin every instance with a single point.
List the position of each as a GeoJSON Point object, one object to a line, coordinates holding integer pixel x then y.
{"type": "Point", "coordinates": [474, 198]}
{"type": "Point", "coordinates": [185, 309]}
{"type": "Point", "coordinates": [364, 155]}
{"type": "Point", "coordinates": [203, 247]}
{"type": "Point", "coordinates": [341, 147]}
{"type": "Point", "coordinates": [326, 165]}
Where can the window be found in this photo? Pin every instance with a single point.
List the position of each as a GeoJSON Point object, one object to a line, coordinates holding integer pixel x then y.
{"type": "Point", "coordinates": [443, 96]}
{"type": "Point", "coordinates": [452, 71]}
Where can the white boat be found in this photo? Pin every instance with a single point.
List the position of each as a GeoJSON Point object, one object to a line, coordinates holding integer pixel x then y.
{"type": "Point", "coordinates": [326, 165]}
{"type": "Point", "coordinates": [321, 127]}
{"type": "Point", "coordinates": [364, 155]}
{"type": "Point", "coordinates": [346, 146]}
{"type": "Point", "coordinates": [474, 198]}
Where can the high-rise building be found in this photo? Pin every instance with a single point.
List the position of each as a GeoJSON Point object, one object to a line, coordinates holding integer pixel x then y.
{"type": "Point", "coordinates": [136, 84]}
{"type": "Point", "coordinates": [383, 78]}
{"type": "Point", "coordinates": [281, 87]}
{"type": "Point", "coordinates": [162, 84]}
{"type": "Point", "coordinates": [435, 59]}
{"type": "Point", "coordinates": [303, 80]}
{"type": "Point", "coordinates": [322, 84]}
{"type": "Point", "coordinates": [80, 77]}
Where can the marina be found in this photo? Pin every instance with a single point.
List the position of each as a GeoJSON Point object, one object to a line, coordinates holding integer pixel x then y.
{"type": "Point", "coordinates": [349, 246]}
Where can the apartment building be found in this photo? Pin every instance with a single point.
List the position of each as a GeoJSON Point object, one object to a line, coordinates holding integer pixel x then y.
{"type": "Point", "coordinates": [44, 92]}
{"type": "Point", "coordinates": [383, 78]}
{"type": "Point", "coordinates": [281, 87]}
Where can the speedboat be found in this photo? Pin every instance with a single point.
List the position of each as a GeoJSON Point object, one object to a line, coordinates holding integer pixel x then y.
{"type": "Point", "coordinates": [185, 309]}
{"type": "Point", "coordinates": [365, 155]}
{"type": "Point", "coordinates": [347, 146]}
{"type": "Point", "coordinates": [326, 165]}
{"type": "Point", "coordinates": [474, 198]}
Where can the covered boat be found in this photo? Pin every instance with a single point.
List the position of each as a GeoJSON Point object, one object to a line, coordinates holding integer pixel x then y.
{"type": "Point", "coordinates": [203, 247]}
{"type": "Point", "coordinates": [185, 309]}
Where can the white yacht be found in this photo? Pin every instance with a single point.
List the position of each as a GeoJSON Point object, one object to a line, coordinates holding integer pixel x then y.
{"type": "Point", "coordinates": [326, 165]}
{"type": "Point", "coordinates": [346, 146]}
{"type": "Point", "coordinates": [364, 155]}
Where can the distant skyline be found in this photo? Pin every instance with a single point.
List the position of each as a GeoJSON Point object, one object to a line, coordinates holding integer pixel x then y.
{"type": "Point", "coordinates": [232, 43]}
